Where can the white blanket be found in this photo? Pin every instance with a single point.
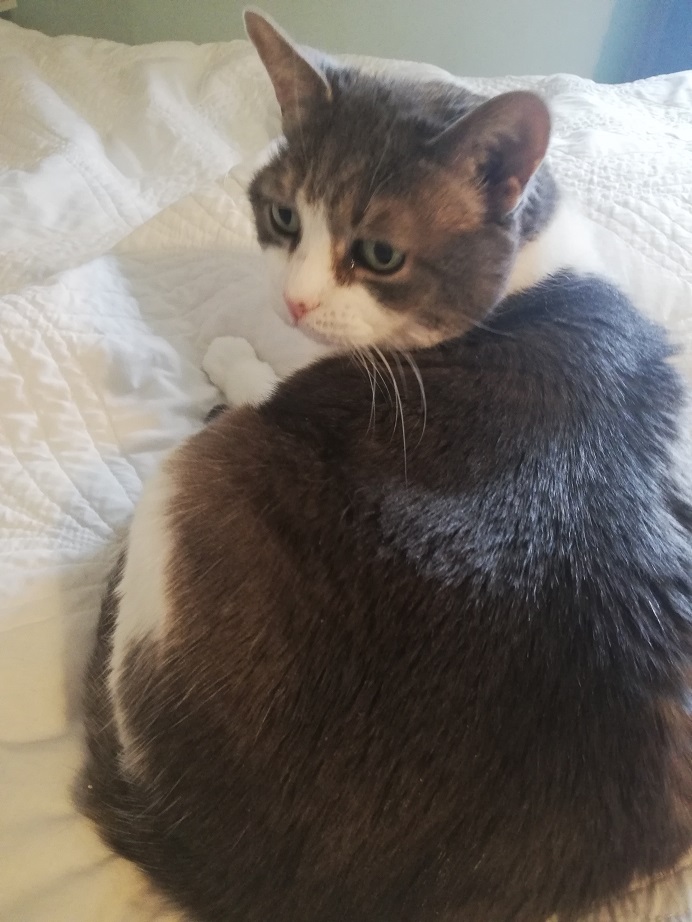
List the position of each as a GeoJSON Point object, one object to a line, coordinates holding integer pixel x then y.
{"type": "Point", "coordinates": [125, 245]}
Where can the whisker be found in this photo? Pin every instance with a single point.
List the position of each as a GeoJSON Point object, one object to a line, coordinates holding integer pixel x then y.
{"type": "Point", "coordinates": [419, 378]}
{"type": "Point", "coordinates": [372, 190]}
{"type": "Point", "coordinates": [474, 322]}
{"type": "Point", "coordinates": [399, 408]}
{"type": "Point", "coordinates": [379, 377]}
{"type": "Point", "coordinates": [373, 380]}
{"type": "Point", "coordinates": [363, 360]}
{"type": "Point", "coordinates": [373, 405]}
{"type": "Point", "coordinates": [483, 326]}
{"type": "Point", "coordinates": [356, 356]}
{"type": "Point", "coordinates": [375, 182]}
{"type": "Point", "coordinates": [397, 399]}
{"type": "Point", "coordinates": [404, 382]}
{"type": "Point", "coordinates": [373, 193]}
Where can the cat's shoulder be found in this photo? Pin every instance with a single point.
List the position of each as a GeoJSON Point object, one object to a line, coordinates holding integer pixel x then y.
{"type": "Point", "coordinates": [582, 307]}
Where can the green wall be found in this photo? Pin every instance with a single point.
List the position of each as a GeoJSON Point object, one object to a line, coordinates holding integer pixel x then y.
{"type": "Point", "coordinates": [479, 37]}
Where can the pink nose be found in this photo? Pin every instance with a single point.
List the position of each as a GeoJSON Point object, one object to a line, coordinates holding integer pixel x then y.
{"type": "Point", "coordinates": [298, 309]}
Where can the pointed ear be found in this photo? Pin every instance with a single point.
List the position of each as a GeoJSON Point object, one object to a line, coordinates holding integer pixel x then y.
{"type": "Point", "coordinates": [503, 142]}
{"type": "Point", "coordinates": [299, 84]}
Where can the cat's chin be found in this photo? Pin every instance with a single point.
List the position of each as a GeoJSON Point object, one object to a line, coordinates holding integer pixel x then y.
{"type": "Point", "coordinates": [335, 343]}
{"type": "Point", "coordinates": [395, 341]}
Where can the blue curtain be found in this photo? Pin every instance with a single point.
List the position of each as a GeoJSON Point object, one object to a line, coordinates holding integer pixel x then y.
{"type": "Point", "coordinates": [666, 44]}
{"type": "Point", "coordinates": [645, 38]}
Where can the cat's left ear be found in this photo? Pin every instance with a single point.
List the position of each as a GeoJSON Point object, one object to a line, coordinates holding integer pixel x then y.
{"type": "Point", "coordinates": [299, 84]}
{"type": "Point", "coordinates": [502, 143]}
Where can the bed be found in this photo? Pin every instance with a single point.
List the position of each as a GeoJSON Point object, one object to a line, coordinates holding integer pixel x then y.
{"type": "Point", "coordinates": [126, 246]}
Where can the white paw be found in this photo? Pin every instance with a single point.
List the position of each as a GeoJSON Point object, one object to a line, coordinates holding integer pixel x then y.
{"type": "Point", "coordinates": [223, 354]}
{"type": "Point", "coordinates": [234, 368]}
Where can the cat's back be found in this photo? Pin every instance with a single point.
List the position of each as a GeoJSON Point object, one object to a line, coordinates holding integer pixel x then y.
{"type": "Point", "coordinates": [426, 675]}
{"type": "Point", "coordinates": [558, 376]}
{"type": "Point", "coordinates": [533, 456]}
{"type": "Point", "coordinates": [521, 494]}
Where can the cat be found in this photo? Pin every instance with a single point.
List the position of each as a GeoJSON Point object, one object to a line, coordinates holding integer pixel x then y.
{"type": "Point", "coordinates": [407, 636]}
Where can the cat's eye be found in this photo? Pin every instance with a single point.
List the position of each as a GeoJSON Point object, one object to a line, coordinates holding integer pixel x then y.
{"type": "Point", "coordinates": [378, 256]}
{"type": "Point", "coordinates": [285, 219]}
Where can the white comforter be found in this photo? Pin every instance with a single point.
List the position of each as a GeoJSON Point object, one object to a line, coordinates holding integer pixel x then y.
{"type": "Point", "coordinates": [125, 246]}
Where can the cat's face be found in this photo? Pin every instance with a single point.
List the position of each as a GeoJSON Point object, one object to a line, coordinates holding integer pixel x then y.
{"type": "Point", "coordinates": [388, 217]}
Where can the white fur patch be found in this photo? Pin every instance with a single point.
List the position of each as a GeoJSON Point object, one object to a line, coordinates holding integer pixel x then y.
{"type": "Point", "coordinates": [309, 276]}
{"type": "Point", "coordinates": [233, 366]}
{"type": "Point", "coordinates": [340, 315]}
{"type": "Point", "coordinates": [566, 243]}
{"type": "Point", "coordinates": [143, 586]}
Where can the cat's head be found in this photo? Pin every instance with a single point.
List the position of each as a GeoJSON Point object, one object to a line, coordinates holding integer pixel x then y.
{"type": "Point", "coordinates": [391, 210]}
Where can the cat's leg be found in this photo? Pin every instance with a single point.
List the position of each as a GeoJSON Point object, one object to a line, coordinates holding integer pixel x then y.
{"type": "Point", "coordinates": [233, 366]}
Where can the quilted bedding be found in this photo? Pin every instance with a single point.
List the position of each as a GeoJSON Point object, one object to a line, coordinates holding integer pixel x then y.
{"type": "Point", "coordinates": [125, 246]}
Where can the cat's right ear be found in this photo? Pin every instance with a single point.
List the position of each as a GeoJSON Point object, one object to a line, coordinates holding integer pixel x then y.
{"type": "Point", "coordinates": [300, 86]}
{"type": "Point", "coordinates": [500, 145]}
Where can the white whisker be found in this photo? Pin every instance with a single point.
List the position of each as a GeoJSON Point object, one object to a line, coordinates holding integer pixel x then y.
{"type": "Point", "coordinates": [399, 408]}
{"type": "Point", "coordinates": [373, 405]}
{"type": "Point", "coordinates": [374, 192]}
{"type": "Point", "coordinates": [419, 379]}
{"type": "Point", "coordinates": [363, 360]}
{"type": "Point", "coordinates": [379, 377]}
{"type": "Point", "coordinates": [397, 400]}
{"type": "Point", "coordinates": [404, 382]}
{"type": "Point", "coordinates": [373, 179]}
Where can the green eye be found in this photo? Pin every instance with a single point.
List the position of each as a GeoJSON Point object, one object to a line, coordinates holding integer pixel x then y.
{"type": "Point", "coordinates": [378, 256]}
{"type": "Point", "coordinates": [285, 219]}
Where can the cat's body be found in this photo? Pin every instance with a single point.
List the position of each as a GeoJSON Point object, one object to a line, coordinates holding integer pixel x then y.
{"type": "Point", "coordinates": [370, 659]}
